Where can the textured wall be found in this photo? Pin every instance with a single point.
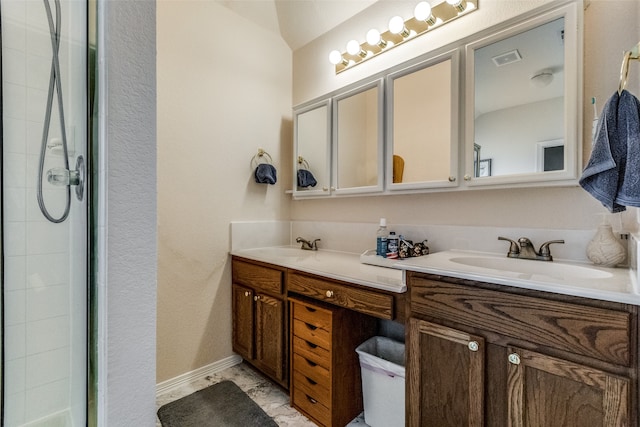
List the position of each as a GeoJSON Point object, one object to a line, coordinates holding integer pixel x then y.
{"type": "Point", "coordinates": [218, 102]}
{"type": "Point", "coordinates": [128, 214]}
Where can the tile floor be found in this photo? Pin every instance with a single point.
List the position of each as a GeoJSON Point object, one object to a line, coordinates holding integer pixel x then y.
{"type": "Point", "coordinates": [272, 399]}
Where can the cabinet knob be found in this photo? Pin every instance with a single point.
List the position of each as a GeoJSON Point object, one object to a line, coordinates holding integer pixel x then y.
{"type": "Point", "coordinates": [467, 177]}
{"type": "Point", "coordinates": [246, 293]}
{"type": "Point", "coordinates": [256, 298]}
{"type": "Point", "coordinates": [473, 345]}
{"type": "Point", "coordinates": [325, 188]}
{"type": "Point", "coordinates": [329, 294]}
{"type": "Point", "coordinates": [452, 179]}
{"type": "Point", "coordinates": [514, 358]}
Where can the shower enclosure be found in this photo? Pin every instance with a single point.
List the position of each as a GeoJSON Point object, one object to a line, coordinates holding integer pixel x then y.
{"type": "Point", "coordinates": [45, 284]}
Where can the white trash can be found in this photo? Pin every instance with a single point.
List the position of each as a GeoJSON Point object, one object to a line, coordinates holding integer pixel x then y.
{"type": "Point", "coordinates": [383, 373]}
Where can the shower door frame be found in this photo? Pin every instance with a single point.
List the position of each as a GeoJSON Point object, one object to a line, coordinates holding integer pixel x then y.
{"type": "Point", "coordinates": [91, 220]}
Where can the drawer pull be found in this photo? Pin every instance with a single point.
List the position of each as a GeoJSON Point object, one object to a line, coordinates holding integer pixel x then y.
{"type": "Point", "coordinates": [312, 327]}
{"type": "Point", "coordinates": [310, 381]}
{"type": "Point", "coordinates": [329, 294]}
{"type": "Point", "coordinates": [311, 399]}
{"type": "Point", "coordinates": [310, 309]}
{"type": "Point", "coordinates": [474, 346]}
{"type": "Point", "coordinates": [514, 358]}
{"type": "Point", "coordinates": [246, 293]}
{"type": "Point", "coordinates": [310, 363]}
{"type": "Point", "coordinates": [312, 345]}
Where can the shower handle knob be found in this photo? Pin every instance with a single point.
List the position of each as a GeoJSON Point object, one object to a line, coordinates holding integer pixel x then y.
{"type": "Point", "coordinates": [62, 176]}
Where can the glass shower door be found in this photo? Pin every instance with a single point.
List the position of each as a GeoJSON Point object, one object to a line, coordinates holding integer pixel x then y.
{"type": "Point", "coordinates": [44, 213]}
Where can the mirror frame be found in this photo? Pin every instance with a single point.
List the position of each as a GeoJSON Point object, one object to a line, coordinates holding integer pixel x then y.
{"type": "Point", "coordinates": [451, 180]}
{"type": "Point", "coordinates": [321, 190]}
{"type": "Point", "coordinates": [573, 81]}
{"type": "Point", "coordinates": [378, 187]}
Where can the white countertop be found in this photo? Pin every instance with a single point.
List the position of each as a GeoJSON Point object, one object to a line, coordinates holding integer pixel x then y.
{"type": "Point", "coordinates": [576, 279]}
{"type": "Point", "coordinates": [343, 266]}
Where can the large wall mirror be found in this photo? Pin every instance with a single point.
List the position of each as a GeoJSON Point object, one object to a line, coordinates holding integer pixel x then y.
{"type": "Point", "coordinates": [422, 123]}
{"type": "Point", "coordinates": [522, 102]}
{"type": "Point", "coordinates": [312, 130]}
{"type": "Point", "coordinates": [358, 139]}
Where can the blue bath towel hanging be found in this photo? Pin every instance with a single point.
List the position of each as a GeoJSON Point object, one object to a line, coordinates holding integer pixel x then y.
{"type": "Point", "coordinates": [612, 175]}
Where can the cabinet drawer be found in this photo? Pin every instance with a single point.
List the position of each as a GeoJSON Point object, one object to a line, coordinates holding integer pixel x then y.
{"type": "Point", "coordinates": [312, 352]}
{"type": "Point", "coordinates": [312, 334]}
{"type": "Point", "coordinates": [258, 277]}
{"type": "Point", "coordinates": [600, 333]}
{"type": "Point", "coordinates": [313, 389]}
{"type": "Point", "coordinates": [368, 302]}
{"type": "Point", "coordinates": [309, 405]}
{"type": "Point", "coordinates": [312, 370]}
{"type": "Point", "coordinates": [312, 315]}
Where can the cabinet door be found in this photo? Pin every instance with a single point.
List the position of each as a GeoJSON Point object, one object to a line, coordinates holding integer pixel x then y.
{"type": "Point", "coordinates": [269, 334]}
{"type": "Point", "coordinates": [546, 391]}
{"type": "Point", "coordinates": [445, 374]}
{"type": "Point", "coordinates": [243, 321]}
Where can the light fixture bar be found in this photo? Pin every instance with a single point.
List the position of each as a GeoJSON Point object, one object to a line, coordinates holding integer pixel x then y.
{"type": "Point", "coordinates": [427, 18]}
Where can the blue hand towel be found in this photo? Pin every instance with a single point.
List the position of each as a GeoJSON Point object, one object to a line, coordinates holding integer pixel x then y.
{"type": "Point", "coordinates": [265, 174]}
{"type": "Point", "coordinates": [306, 178]}
{"type": "Point", "coordinates": [612, 174]}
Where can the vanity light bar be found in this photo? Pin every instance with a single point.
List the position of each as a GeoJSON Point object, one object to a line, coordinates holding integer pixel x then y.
{"type": "Point", "coordinates": [425, 19]}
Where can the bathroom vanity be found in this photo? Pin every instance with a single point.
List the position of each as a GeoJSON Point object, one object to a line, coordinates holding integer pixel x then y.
{"type": "Point", "coordinates": [298, 317]}
{"type": "Point", "coordinates": [544, 344]}
{"type": "Point", "coordinates": [486, 354]}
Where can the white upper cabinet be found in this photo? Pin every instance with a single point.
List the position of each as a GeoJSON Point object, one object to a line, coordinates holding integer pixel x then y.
{"type": "Point", "coordinates": [422, 124]}
{"type": "Point", "coordinates": [312, 150]}
{"type": "Point", "coordinates": [500, 108]}
{"type": "Point", "coordinates": [358, 140]}
{"type": "Point", "coordinates": [523, 103]}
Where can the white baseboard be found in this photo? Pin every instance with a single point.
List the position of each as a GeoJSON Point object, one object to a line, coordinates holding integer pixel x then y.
{"type": "Point", "coordinates": [196, 374]}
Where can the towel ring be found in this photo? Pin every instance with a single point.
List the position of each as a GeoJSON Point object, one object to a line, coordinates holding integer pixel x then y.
{"type": "Point", "coordinates": [261, 157]}
{"type": "Point", "coordinates": [303, 163]}
{"type": "Point", "coordinates": [624, 72]}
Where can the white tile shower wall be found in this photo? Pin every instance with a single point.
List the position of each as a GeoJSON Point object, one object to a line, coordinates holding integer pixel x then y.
{"type": "Point", "coordinates": [37, 257]}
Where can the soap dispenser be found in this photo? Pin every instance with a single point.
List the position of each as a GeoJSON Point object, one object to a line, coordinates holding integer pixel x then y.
{"type": "Point", "coordinates": [381, 238]}
{"type": "Point", "coordinates": [605, 250]}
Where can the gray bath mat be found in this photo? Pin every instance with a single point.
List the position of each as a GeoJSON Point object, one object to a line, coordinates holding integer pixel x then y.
{"type": "Point", "coordinates": [220, 405]}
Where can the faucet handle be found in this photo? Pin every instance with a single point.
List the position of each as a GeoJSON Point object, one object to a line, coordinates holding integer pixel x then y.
{"type": "Point", "coordinates": [514, 249]}
{"type": "Point", "coordinates": [545, 251]}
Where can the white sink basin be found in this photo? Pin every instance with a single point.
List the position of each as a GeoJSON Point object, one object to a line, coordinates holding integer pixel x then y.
{"type": "Point", "coordinates": [532, 267]}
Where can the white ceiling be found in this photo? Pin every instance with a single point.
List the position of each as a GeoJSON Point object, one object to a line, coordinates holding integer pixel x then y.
{"type": "Point", "coordinates": [297, 21]}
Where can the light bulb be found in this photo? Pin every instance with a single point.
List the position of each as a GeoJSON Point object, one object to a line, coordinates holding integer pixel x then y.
{"type": "Point", "coordinates": [396, 26]}
{"type": "Point", "coordinates": [335, 57]}
{"type": "Point", "coordinates": [353, 48]}
{"type": "Point", "coordinates": [422, 12]}
{"type": "Point", "coordinates": [458, 4]}
{"type": "Point", "coordinates": [374, 39]}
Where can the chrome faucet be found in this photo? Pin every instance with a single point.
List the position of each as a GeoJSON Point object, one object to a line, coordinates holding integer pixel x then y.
{"type": "Point", "coordinates": [307, 245]}
{"type": "Point", "coordinates": [526, 250]}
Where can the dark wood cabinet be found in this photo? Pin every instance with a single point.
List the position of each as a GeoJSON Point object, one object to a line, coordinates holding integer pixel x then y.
{"type": "Point", "coordinates": [326, 384]}
{"type": "Point", "coordinates": [259, 318]}
{"type": "Point", "coordinates": [490, 355]}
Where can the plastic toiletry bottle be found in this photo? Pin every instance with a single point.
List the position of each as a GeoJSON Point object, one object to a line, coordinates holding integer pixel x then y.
{"type": "Point", "coordinates": [392, 245]}
{"type": "Point", "coordinates": [381, 238]}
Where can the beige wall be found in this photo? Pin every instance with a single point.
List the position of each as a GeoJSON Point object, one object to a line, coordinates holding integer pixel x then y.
{"type": "Point", "coordinates": [224, 89]}
{"type": "Point", "coordinates": [610, 28]}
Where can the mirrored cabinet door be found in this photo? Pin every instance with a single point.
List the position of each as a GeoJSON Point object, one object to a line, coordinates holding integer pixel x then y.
{"type": "Point", "coordinates": [523, 110]}
{"type": "Point", "coordinates": [422, 124]}
{"type": "Point", "coordinates": [312, 153]}
{"type": "Point", "coordinates": [358, 140]}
